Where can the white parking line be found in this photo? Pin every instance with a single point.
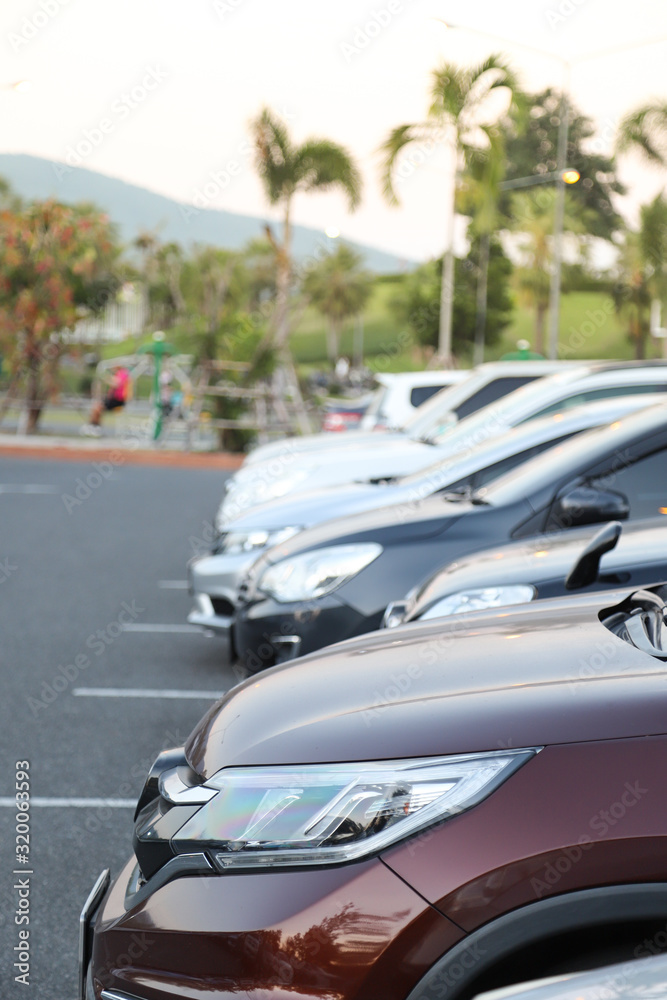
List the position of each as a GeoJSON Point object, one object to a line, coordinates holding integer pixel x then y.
{"type": "Point", "coordinates": [147, 627]}
{"type": "Point", "coordinates": [73, 803]}
{"type": "Point", "coordinates": [145, 693]}
{"type": "Point", "coordinates": [172, 584]}
{"type": "Point", "coordinates": [27, 488]}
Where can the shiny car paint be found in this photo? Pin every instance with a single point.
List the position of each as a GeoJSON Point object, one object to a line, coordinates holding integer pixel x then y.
{"type": "Point", "coordinates": [387, 457]}
{"type": "Point", "coordinates": [418, 540]}
{"type": "Point", "coordinates": [215, 578]}
{"type": "Point", "coordinates": [639, 557]}
{"type": "Point", "coordinates": [576, 839]}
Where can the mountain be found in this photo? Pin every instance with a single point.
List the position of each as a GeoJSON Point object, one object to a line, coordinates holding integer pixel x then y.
{"type": "Point", "coordinates": [134, 209]}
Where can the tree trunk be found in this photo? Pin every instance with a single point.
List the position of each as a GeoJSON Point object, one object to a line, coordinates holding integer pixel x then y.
{"type": "Point", "coordinates": [33, 403]}
{"type": "Point", "coordinates": [332, 341]}
{"type": "Point", "coordinates": [482, 286]}
{"type": "Point", "coordinates": [10, 395]}
{"type": "Point", "coordinates": [283, 281]}
{"type": "Point", "coordinates": [539, 327]}
{"type": "Point", "coordinates": [639, 337]}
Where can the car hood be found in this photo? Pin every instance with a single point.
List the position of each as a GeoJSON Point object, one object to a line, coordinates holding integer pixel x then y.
{"type": "Point", "coordinates": [318, 442]}
{"type": "Point", "coordinates": [543, 674]}
{"type": "Point", "coordinates": [393, 524]}
{"type": "Point", "coordinates": [314, 506]}
{"type": "Point", "coordinates": [365, 461]}
{"type": "Point", "coordinates": [546, 558]}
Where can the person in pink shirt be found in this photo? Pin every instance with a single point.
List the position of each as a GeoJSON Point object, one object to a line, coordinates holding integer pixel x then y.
{"type": "Point", "coordinates": [115, 399]}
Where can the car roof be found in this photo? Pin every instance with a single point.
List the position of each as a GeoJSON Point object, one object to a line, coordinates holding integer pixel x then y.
{"type": "Point", "coordinates": [535, 432]}
{"type": "Point", "coordinates": [444, 377]}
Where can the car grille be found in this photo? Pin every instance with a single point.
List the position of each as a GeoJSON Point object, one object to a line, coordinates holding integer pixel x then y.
{"type": "Point", "coordinates": [222, 607]}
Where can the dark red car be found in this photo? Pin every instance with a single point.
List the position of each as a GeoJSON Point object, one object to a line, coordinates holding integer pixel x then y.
{"type": "Point", "coordinates": [425, 812]}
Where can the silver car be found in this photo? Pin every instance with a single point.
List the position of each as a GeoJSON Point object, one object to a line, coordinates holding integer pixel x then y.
{"type": "Point", "coordinates": [387, 457]}
{"type": "Point", "coordinates": [214, 579]}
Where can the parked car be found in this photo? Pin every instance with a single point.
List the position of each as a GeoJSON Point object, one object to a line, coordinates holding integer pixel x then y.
{"type": "Point", "coordinates": [335, 581]}
{"type": "Point", "coordinates": [478, 388]}
{"type": "Point", "coordinates": [215, 578]}
{"type": "Point", "coordinates": [391, 405]}
{"type": "Point", "coordinates": [413, 814]}
{"type": "Point", "coordinates": [645, 978]}
{"type": "Point", "coordinates": [583, 559]}
{"type": "Point", "coordinates": [400, 394]}
{"type": "Point", "coordinates": [388, 458]}
{"type": "Point", "coordinates": [344, 414]}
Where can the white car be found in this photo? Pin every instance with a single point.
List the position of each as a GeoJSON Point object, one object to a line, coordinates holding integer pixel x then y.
{"type": "Point", "coordinates": [478, 388]}
{"type": "Point", "coordinates": [399, 395]}
{"type": "Point", "coordinates": [386, 456]}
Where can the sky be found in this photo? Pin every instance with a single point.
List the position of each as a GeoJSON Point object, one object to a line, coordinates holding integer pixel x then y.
{"type": "Point", "coordinates": [160, 92]}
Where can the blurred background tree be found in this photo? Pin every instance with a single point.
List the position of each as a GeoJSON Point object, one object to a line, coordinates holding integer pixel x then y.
{"type": "Point", "coordinates": [58, 264]}
{"type": "Point", "coordinates": [339, 288]}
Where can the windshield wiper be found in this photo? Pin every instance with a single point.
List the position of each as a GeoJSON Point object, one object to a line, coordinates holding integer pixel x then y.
{"type": "Point", "coordinates": [478, 497]}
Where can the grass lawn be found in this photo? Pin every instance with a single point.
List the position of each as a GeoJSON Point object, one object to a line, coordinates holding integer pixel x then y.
{"type": "Point", "coordinates": [589, 328]}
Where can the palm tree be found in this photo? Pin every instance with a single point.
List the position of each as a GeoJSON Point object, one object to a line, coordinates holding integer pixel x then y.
{"type": "Point", "coordinates": [645, 131]}
{"type": "Point", "coordinates": [478, 196]}
{"type": "Point", "coordinates": [339, 289]}
{"type": "Point", "coordinates": [455, 117]}
{"type": "Point", "coordinates": [285, 169]}
{"type": "Point", "coordinates": [533, 215]}
{"type": "Point", "coordinates": [642, 272]}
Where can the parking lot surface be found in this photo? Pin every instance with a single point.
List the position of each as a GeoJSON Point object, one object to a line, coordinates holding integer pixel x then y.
{"type": "Point", "coordinates": [99, 673]}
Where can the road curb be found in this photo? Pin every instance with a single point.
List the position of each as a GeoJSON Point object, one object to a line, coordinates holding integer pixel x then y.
{"type": "Point", "coordinates": [124, 456]}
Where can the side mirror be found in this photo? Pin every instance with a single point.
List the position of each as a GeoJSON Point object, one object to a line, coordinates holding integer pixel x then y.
{"type": "Point", "coordinates": [395, 614]}
{"type": "Point", "coordinates": [588, 505]}
{"type": "Point", "coordinates": [585, 570]}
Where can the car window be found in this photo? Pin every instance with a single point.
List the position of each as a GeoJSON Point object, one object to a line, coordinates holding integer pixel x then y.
{"type": "Point", "coordinates": [591, 395]}
{"type": "Point", "coordinates": [490, 392]}
{"type": "Point", "coordinates": [421, 393]}
{"type": "Point", "coordinates": [484, 476]}
{"type": "Point", "coordinates": [642, 483]}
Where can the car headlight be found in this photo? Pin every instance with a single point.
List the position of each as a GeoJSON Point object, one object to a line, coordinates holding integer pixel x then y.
{"type": "Point", "coordinates": [477, 600]}
{"type": "Point", "coordinates": [236, 542]}
{"type": "Point", "coordinates": [319, 814]}
{"type": "Point", "coordinates": [314, 574]}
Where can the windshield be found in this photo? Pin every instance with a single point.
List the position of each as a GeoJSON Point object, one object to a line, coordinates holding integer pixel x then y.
{"type": "Point", "coordinates": [429, 413]}
{"type": "Point", "coordinates": [569, 457]}
{"type": "Point", "coordinates": [505, 413]}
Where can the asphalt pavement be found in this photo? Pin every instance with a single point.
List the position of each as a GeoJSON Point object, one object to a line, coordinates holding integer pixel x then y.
{"type": "Point", "coordinates": [99, 673]}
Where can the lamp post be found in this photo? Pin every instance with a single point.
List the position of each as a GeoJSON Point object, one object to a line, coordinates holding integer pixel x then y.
{"type": "Point", "coordinates": [563, 132]}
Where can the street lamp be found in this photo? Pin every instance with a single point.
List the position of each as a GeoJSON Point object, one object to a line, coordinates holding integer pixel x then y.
{"type": "Point", "coordinates": [563, 175]}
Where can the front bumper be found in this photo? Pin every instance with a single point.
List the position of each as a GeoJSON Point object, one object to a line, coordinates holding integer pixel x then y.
{"type": "Point", "coordinates": [85, 928]}
{"type": "Point", "coordinates": [352, 932]}
{"type": "Point", "coordinates": [267, 633]}
{"type": "Point", "coordinates": [214, 582]}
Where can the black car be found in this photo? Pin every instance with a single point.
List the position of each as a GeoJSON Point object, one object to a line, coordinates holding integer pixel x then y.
{"type": "Point", "coordinates": [582, 559]}
{"type": "Point", "coordinates": [335, 581]}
